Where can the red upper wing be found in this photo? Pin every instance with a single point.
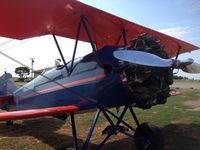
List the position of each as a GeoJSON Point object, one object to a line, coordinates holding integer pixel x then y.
{"type": "Point", "coordinates": [22, 19]}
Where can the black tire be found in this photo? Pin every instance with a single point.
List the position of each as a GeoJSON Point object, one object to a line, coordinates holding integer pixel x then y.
{"type": "Point", "coordinates": [149, 137]}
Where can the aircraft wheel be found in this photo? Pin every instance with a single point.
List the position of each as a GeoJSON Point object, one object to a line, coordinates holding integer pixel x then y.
{"type": "Point", "coordinates": [9, 123]}
{"type": "Point", "coordinates": [148, 137]}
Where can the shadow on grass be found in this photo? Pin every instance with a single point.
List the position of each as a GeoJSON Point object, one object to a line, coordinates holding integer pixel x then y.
{"type": "Point", "coordinates": [44, 129]}
{"type": "Point", "coordinates": [178, 136]}
{"type": "Point", "coordinates": [182, 136]}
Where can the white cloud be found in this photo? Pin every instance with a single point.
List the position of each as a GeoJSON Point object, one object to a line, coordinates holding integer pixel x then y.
{"type": "Point", "coordinates": [176, 32]}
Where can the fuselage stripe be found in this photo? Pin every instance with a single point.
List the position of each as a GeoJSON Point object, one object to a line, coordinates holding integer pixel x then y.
{"type": "Point", "coordinates": [64, 85]}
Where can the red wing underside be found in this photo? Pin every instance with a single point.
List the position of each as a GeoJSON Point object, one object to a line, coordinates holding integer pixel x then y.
{"type": "Point", "coordinates": [22, 19]}
{"type": "Point", "coordinates": [26, 114]}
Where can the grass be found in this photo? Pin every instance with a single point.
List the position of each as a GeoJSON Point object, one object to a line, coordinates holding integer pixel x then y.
{"type": "Point", "coordinates": [186, 80]}
{"type": "Point", "coordinates": [179, 123]}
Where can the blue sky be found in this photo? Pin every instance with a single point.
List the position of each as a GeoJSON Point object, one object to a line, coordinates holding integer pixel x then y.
{"type": "Point", "coordinates": [178, 18]}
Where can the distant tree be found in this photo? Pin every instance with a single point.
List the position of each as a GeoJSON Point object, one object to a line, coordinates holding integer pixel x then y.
{"type": "Point", "coordinates": [23, 72]}
{"type": "Point", "coordinates": [180, 77]}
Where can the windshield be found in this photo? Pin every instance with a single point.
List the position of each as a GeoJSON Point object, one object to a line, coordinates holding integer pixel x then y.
{"type": "Point", "coordinates": [50, 75]}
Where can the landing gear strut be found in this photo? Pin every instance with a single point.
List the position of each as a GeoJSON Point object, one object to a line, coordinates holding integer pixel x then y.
{"type": "Point", "coordinates": [147, 137]}
{"type": "Point", "coordinates": [9, 123]}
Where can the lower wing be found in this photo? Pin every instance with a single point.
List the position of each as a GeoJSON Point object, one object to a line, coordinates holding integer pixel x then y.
{"type": "Point", "coordinates": [34, 113]}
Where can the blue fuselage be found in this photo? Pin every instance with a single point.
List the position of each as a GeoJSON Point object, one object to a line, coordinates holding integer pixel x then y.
{"type": "Point", "coordinates": [91, 83]}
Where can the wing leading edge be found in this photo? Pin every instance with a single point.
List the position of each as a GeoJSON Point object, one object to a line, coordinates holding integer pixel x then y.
{"type": "Point", "coordinates": [34, 113]}
{"type": "Point", "coordinates": [25, 19]}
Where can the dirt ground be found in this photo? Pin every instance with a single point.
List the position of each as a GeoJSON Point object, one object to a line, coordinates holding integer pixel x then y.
{"type": "Point", "coordinates": [186, 85]}
{"type": "Point", "coordinates": [193, 105]}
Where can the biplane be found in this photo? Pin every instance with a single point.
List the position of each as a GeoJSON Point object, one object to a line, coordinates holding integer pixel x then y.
{"type": "Point", "coordinates": [130, 66]}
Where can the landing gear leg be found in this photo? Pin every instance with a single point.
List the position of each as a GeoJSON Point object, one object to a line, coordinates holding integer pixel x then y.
{"type": "Point", "coordinates": [74, 130]}
{"type": "Point", "coordinates": [146, 136]}
{"type": "Point", "coordinates": [9, 123]}
{"type": "Point", "coordinates": [113, 128]}
{"type": "Point", "coordinates": [91, 129]}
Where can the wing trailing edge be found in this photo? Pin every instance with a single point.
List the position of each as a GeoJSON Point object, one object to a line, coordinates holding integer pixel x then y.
{"type": "Point", "coordinates": [34, 113]}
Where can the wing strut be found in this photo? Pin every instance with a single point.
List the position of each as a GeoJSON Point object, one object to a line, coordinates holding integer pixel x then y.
{"type": "Point", "coordinates": [178, 52]}
{"type": "Point", "coordinates": [61, 54]}
{"type": "Point", "coordinates": [124, 36]}
{"type": "Point", "coordinates": [118, 40]}
{"type": "Point", "coordinates": [82, 21]}
{"type": "Point", "coordinates": [123, 33]}
{"type": "Point", "coordinates": [88, 33]}
{"type": "Point", "coordinates": [75, 46]}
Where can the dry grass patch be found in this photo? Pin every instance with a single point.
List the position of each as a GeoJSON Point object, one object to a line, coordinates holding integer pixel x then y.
{"type": "Point", "coordinates": [194, 105]}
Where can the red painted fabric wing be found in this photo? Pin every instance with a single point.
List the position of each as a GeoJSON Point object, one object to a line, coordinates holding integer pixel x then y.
{"type": "Point", "coordinates": [34, 113]}
{"type": "Point", "coordinates": [22, 19]}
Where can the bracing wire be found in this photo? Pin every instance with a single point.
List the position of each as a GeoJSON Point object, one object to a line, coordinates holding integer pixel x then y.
{"type": "Point", "coordinates": [6, 42]}
{"type": "Point", "coordinates": [22, 64]}
{"type": "Point", "coordinates": [13, 45]}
